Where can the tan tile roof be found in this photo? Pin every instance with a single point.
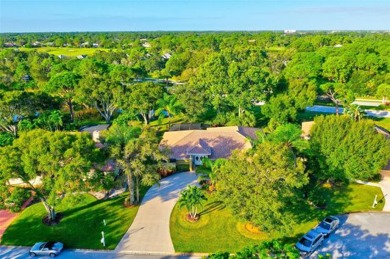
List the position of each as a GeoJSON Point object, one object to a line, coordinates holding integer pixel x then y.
{"type": "Point", "coordinates": [220, 141]}
{"type": "Point", "coordinates": [306, 127]}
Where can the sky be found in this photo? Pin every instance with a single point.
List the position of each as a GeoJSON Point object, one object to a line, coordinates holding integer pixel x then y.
{"type": "Point", "coordinates": [192, 15]}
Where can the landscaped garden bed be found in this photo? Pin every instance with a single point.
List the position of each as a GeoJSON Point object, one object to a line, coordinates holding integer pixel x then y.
{"type": "Point", "coordinates": [218, 230]}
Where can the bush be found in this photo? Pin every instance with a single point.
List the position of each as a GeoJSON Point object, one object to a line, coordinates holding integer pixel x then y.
{"type": "Point", "coordinates": [18, 197]}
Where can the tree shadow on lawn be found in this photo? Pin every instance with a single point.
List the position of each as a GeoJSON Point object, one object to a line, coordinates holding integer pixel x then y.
{"type": "Point", "coordinates": [80, 227]}
{"type": "Point", "coordinates": [212, 206]}
{"type": "Point", "coordinates": [335, 199]}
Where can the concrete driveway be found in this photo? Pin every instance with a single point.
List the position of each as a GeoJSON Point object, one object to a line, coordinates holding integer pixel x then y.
{"type": "Point", "coordinates": [361, 235]}
{"type": "Point", "coordinates": [150, 233]}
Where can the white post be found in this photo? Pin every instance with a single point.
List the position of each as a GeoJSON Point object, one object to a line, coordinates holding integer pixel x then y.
{"type": "Point", "coordinates": [103, 241]}
{"type": "Point", "coordinates": [104, 222]}
{"type": "Point", "coordinates": [375, 202]}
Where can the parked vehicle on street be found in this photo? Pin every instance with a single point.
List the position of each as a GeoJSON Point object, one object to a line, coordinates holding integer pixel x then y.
{"type": "Point", "coordinates": [47, 248]}
{"type": "Point", "coordinates": [309, 242]}
{"type": "Point", "coordinates": [328, 225]}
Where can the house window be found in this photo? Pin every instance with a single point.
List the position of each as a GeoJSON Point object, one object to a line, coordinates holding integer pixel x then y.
{"type": "Point", "coordinates": [196, 158]}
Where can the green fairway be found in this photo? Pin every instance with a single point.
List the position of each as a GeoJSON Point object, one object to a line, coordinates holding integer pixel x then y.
{"type": "Point", "coordinates": [69, 52]}
{"type": "Point", "coordinates": [218, 230]}
{"type": "Point", "coordinates": [80, 226]}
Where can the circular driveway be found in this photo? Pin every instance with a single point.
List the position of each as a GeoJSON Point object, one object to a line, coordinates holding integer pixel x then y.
{"type": "Point", "coordinates": [360, 235]}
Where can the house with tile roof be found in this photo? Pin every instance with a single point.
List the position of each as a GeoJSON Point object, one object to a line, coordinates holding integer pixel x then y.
{"type": "Point", "coordinates": [193, 145]}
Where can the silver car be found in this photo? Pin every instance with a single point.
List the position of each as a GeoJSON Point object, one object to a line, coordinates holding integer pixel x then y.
{"type": "Point", "coordinates": [46, 248]}
{"type": "Point", "coordinates": [328, 225]}
{"type": "Point", "coordinates": [309, 242]}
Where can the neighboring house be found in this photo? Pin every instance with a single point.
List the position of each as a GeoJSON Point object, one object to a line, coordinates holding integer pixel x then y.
{"type": "Point", "coordinates": [193, 145]}
{"type": "Point", "coordinates": [95, 131]}
{"type": "Point", "coordinates": [81, 56]}
{"type": "Point", "coordinates": [306, 127]}
{"type": "Point", "coordinates": [110, 165]}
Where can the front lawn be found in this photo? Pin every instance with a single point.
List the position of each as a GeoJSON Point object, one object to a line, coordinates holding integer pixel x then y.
{"type": "Point", "coordinates": [217, 229]}
{"type": "Point", "coordinates": [80, 226]}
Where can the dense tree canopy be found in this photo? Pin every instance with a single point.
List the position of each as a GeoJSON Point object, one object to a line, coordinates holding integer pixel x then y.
{"type": "Point", "coordinates": [50, 164]}
{"type": "Point", "coordinates": [347, 149]}
{"type": "Point", "coordinates": [260, 187]}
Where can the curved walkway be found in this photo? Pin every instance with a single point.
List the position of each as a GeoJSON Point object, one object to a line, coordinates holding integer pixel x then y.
{"type": "Point", "coordinates": [149, 233]}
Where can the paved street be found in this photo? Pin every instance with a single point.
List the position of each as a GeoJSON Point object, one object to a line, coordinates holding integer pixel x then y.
{"type": "Point", "coordinates": [150, 232]}
{"type": "Point", "coordinates": [361, 235]}
{"type": "Point", "coordinates": [22, 253]}
{"type": "Point", "coordinates": [330, 109]}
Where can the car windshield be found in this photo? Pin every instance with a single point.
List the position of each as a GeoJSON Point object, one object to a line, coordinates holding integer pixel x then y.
{"type": "Point", "coordinates": [305, 242]}
{"type": "Point", "coordinates": [49, 245]}
{"type": "Point", "coordinates": [325, 225]}
{"type": "Point", "coordinates": [328, 220]}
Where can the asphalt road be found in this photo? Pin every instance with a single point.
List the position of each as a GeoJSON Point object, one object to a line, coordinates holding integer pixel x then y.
{"type": "Point", "coordinates": [22, 253]}
{"type": "Point", "coordinates": [331, 109]}
{"type": "Point", "coordinates": [361, 235]}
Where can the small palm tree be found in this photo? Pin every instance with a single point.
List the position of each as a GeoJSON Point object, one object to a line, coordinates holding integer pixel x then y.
{"type": "Point", "coordinates": [191, 198]}
{"type": "Point", "coordinates": [355, 112]}
{"type": "Point", "coordinates": [168, 105]}
{"type": "Point", "coordinates": [209, 169]}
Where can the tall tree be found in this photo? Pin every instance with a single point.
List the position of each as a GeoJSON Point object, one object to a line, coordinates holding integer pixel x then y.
{"type": "Point", "coordinates": [64, 85]}
{"type": "Point", "coordinates": [99, 88]}
{"type": "Point", "coordinates": [348, 150]}
{"type": "Point", "coordinates": [260, 187]}
{"type": "Point", "coordinates": [138, 155]}
{"type": "Point", "coordinates": [61, 161]}
{"type": "Point", "coordinates": [142, 98]}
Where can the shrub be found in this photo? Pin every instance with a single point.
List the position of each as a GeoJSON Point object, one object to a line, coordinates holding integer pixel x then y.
{"type": "Point", "coordinates": [17, 198]}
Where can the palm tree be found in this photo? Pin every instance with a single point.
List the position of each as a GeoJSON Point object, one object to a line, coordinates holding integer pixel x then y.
{"type": "Point", "coordinates": [55, 119]}
{"type": "Point", "coordinates": [354, 111]}
{"type": "Point", "coordinates": [209, 169]}
{"type": "Point", "coordinates": [168, 105]}
{"type": "Point", "coordinates": [289, 135]}
{"type": "Point", "coordinates": [191, 198]}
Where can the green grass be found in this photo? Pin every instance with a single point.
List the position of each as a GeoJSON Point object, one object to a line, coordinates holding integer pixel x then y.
{"type": "Point", "coordinates": [80, 226]}
{"type": "Point", "coordinates": [70, 52]}
{"type": "Point", "coordinates": [383, 122]}
{"type": "Point", "coordinates": [215, 231]}
{"type": "Point", "coordinates": [218, 230]}
{"type": "Point", "coordinates": [309, 115]}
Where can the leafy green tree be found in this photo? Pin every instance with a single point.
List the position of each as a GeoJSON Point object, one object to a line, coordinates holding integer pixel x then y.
{"type": "Point", "coordinates": [383, 92]}
{"type": "Point", "coordinates": [6, 139]}
{"type": "Point", "coordinates": [348, 150]}
{"type": "Point", "coordinates": [16, 105]}
{"type": "Point", "coordinates": [260, 187]}
{"type": "Point", "coordinates": [191, 198]}
{"type": "Point", "coordinates": [99, 88]}
{"type": "Point", "coordinates": [280, 108]}
{"type": "Point", "coordinates": [62, 162]}
{"type": "Point", "coordinates": [142, 98]}
{"type": "Point", "coordinates": [49, 120]}
{"type": "Point", "coordinates": [268, 249]}
{"type": "Point", "coordinates": [64, 85]}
